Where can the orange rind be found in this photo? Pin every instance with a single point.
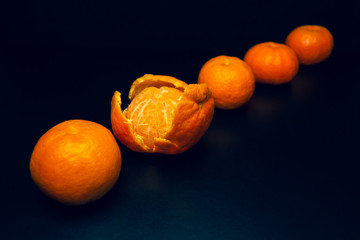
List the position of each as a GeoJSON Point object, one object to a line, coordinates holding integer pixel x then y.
{"type": "Point", "coordinates": [166, 115]}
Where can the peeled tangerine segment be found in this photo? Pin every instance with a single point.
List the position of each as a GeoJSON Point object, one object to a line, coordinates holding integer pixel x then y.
{"type": "Point", "coordinates": [151, 112]}
{"type": "Point", "coordinates": [166, 115]}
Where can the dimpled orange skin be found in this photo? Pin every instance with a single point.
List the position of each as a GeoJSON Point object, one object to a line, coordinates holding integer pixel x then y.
{"type": "Point", "coordinates": [76, 162]}
{"type": "Point", "coordinates": [272, 63]}
{"type": "Point", "coordinates": [312, 43]}
{"type": "Point", "coordinates": [230, 80]}
{"type": "Point", "coordinates": [166, 115]}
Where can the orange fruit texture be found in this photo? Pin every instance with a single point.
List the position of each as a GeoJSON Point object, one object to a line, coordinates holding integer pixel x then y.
{"type": "Point", "coordinates": [166, 115]}
{"type": "Point", "coordinates": [311, 43]}
{"type": "Point", "coordinates": [76, 162]}
{"type": "Point", "coordinates": [230, 80]}
{"type": "Point", "coordinates": [272, 63]}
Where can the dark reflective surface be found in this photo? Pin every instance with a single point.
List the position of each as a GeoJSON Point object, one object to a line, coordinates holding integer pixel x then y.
{"type": "Point", "coordinates": [284, 166]}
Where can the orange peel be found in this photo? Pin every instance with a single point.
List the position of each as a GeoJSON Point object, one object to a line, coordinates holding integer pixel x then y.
{"type": "Point", "coordinates": [166, 115]}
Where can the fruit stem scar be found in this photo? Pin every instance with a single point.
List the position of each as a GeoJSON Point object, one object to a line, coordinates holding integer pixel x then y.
{"type": "Point", "coordinates": [227, 62]}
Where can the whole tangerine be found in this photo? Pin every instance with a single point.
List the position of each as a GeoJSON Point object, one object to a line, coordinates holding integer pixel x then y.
{"type": "Point", "coordinates": [272, 63]}
{"type": "Point", "coordinates": [311, 43]}
{"type": "Point", "coordinates": [230, 80]}
{"type": "Point", "coordinates": [166, 115]}
{"type": "Point", "coordinates": [76, 162]}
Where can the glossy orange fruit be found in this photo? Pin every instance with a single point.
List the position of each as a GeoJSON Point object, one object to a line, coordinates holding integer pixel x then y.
{"type": "Point", "coordinates": [311, 43]}
{"type": "Point", "coordinates": [230, 80]}
{"type": "Point", "coordinates": [165, 115]}
{"type": "Point", "coordinates": [76, 162]}
{"type": "Point", "coordinates": [272, 63]}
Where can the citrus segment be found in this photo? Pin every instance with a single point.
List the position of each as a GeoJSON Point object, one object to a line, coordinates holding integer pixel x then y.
{"type": "Point", "coordinates": [156, 104]}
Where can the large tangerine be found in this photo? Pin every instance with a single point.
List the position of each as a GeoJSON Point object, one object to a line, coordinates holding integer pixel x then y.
{"type": "Point", "coordinates": [166, 115]}
{"type": "Point", "coordinates": [76, 162]}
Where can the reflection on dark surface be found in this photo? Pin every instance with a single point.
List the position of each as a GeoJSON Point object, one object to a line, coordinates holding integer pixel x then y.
{"type": "Point", "coordinates": [304, 87]}
{"type": "Point", "coordinates": [268, 102]}
{"type": "Point", "coordinates": [264, 108]}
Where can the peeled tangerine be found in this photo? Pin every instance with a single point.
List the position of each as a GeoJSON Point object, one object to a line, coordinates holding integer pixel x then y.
{"type": "Point", "coordinates": [166, 115]}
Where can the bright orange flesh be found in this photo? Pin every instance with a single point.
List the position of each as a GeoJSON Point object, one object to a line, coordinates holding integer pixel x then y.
{"type": "Point", "coordinates": [230, 80]}
{"type": "Point", "coordinates": [153, 103]}
{"type": "Point", "coordinates": [76, 162]}
{"type": "Point", "coordinates": [165, 116]}
{"type": "Point", "coordinates": [311, 43]}
{"type": "Point", "coordinates": [272, 63]}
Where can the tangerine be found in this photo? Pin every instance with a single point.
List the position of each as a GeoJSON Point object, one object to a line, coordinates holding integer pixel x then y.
{"type": "Point", "coordinates": [230, 80]}
{"type": "Point", "coordinates": [166, 115]}
{"type": "Point", "coordinates": [76, 162]}
{"type": "Point", "coordinates": [272, 63]}
{"type": "Point", "coordinates": [311, 43]}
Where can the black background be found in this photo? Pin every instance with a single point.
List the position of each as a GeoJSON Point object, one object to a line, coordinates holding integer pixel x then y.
{"type": "Point", "coordinates": [284, 166]}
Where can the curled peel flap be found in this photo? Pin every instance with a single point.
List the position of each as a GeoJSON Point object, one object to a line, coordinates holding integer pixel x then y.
{"type": "Point", "coordinates": [122, 127]}
{"type": "Point", "coordinates": [149, 80]}
{"type": "Point", "coordinates": [192, 116]}
{"type": "Point", "coordinates": [197, 92]}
